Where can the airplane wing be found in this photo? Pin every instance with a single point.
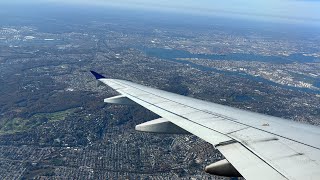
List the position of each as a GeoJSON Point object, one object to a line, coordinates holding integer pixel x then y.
{"type": "Point", "coordinates": [255, 146]}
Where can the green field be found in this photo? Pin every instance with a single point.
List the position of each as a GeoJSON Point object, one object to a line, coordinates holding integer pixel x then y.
{"type": "Point", "coordinates": [19, 124]}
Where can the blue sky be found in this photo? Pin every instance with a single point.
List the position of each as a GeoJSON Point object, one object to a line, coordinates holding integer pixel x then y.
{"type": "Point", "coordinates": [287, 10]}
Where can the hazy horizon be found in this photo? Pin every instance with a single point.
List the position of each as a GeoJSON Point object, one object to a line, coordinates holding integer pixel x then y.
{"type": "Point", "coordinates": [287, 11]}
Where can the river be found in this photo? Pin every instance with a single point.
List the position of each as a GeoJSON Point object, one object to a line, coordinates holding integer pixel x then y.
{"type": "Point", "coordinates": [171, 55]}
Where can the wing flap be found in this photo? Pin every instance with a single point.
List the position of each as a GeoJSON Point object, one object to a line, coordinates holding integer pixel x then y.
{"type": "Point", "coordinates": [293, 159]}
{"type": "Point", "coordinates": [248, 164]}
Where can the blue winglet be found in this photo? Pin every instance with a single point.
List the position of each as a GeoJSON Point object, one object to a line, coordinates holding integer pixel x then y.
{"type": "Point", "coordinates": [97, 75]}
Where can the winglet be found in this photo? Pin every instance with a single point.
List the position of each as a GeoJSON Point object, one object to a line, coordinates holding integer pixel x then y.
{"type": "Point", "coordinates": [97, 75]}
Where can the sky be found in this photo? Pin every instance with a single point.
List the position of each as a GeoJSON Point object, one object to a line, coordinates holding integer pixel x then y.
{"type": "Point", "coordinates": [287, 10]}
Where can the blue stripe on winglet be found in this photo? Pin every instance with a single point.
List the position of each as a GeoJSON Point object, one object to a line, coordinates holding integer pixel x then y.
{"type": "Point", "coordinates": [97, 75]}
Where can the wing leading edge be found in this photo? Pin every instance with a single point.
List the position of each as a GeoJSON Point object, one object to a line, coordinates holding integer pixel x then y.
{"type": "Point", "coordinates": [258, 146]}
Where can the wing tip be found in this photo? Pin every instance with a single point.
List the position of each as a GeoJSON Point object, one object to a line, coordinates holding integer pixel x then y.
{"type": "Point", "coordinates": [97, 75]}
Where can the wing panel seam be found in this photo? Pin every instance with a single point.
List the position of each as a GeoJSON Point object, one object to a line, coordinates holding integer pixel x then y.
{"type": "Point", "coordinates": [222, 116]}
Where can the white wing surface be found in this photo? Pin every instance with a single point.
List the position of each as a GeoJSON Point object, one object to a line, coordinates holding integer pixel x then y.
{"type": "Point", "coordinates": [258, 146]}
